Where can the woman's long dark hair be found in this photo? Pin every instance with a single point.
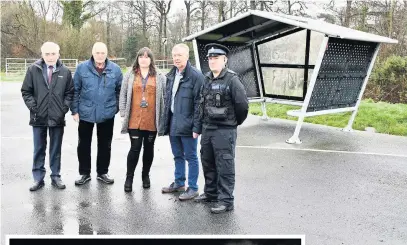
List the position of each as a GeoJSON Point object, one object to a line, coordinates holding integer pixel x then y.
{"type": "Point", "coordinates": [136, 66]}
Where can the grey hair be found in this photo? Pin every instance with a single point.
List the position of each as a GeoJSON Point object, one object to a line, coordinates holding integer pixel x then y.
{"type": "Point", "coordinates": [97, 44]}
{"type": "Point", "coordinates": [182, 46]}
{"type": "Point", "coordinates": [52, 44]}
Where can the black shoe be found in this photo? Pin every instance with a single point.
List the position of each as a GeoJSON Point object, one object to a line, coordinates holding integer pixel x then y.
{"type": "Point", "coordinates": [58, 183]}
{"type": "Point", "coordinates": [128, 185]}
{"type": "Point", "coordinates": [221, 208]}
{"type": "Point", "coordinates": [204, 198]}
{"type": "Point", "coordinates": [105, 178]}
{"type": "Point", "coordinates": [37, 185]}
{"type": "Point", "coordinates": [83, 179]}
{"type": "Point", "coordinates": [146, 181]}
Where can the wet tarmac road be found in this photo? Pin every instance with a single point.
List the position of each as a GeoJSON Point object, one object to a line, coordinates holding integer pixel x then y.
{"type": "Point", "coordinates": [336, 187]}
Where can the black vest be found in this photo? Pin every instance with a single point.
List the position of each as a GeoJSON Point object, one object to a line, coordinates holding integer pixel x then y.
{"type": "Point", "coordinates": [216, 101]}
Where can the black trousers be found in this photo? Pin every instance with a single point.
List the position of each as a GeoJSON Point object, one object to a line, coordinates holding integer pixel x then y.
{"type": "Point", "coordinates": [104, 133]}
{"type": "Point", "coordinates": [218, 163]}
{"type": "Point", "coordinates": [138, 138]}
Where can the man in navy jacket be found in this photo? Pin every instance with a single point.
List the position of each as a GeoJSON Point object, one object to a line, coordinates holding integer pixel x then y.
{"type": "Point", "coordinates": [181, 120]}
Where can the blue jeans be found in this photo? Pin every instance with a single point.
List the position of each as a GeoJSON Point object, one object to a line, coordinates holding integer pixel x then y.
{"type": "Point", "coordinates": [185, 148]}
{"type": "Point", "coordinates": [40, 145]}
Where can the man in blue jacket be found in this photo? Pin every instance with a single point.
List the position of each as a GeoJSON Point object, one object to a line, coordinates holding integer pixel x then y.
{"type": "Point", "coordinates": [96, 100]}
{"type": "Point", "coordinates": [181, 120]}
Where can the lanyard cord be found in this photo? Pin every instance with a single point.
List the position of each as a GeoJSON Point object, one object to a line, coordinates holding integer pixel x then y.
{"type": "Point", "coordinates": [144, 84]}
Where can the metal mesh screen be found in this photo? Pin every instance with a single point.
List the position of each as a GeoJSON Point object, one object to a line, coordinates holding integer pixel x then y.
{"type": "Point", "coordinates": [240, 61]}
{"type": "Point", "coordinates": [342, 73]}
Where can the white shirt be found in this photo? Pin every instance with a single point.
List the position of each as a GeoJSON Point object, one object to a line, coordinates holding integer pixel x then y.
{"type": "Point", "coordinates": [175, 86]}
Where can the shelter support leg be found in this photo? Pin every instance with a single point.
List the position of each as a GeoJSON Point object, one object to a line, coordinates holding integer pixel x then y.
{"type": "Point", "coordinates": [295, 139]}
{"type": "Point", "coordinates": [348, 127]}
{"type": "Point", "coordinates": [264, 111]}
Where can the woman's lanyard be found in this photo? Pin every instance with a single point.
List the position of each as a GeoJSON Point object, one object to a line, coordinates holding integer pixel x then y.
{"type": "Point", "coordinates": [143, 85]}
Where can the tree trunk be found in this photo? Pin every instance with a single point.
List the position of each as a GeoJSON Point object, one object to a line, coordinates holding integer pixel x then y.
{"type": "Point", "coordinates": [252, 4]}
{"type": "Point", "coordinates": [108, 29]}
{"type": "Point", "coordinates": [160, 34]}
{"type": "Point", "coordinates": [188, 20]}
{"type": "Point", "coordinates": [391, 13]}
{"type": "Point", "coordinates": [165, 36]}
{"type": "Point", "coordinates": [144, 11]}
{"type": "Point", "coordinates": [203, 6]}
{"type": "Point", "coordinates": [220, 11]}
{"type": "Point", "coordinates": [289, 7]}
{"type": "Point", "coordinates": [231, 8]}
{"type": "Point", "coordinates": [348, 13]}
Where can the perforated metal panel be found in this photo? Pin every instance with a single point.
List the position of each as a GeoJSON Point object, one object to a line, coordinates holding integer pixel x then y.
{"type": "Point", "coordinates": [342, 73]}
{"type": "Point", "coordinates": [240, 61]}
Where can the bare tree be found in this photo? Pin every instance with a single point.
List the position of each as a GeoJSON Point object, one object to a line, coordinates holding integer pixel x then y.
{"type": "Point", "coordinates": [56, 11]}
{"type": "Point", "coordinates": [203, 6]}
{"type": "Point", "coordinates": [176, 28]}
{"type": "Point", "coordinates": [253, 4]}
{"type": "Point", "coordinates": [300, 5]}
{"type": "Point", "coordinates": [44, 7]}
{"type": "Point", "coordinates": [221, 9]}
{"type": "Point", "coordinates": [141, 8]}
{"type": "Point", "coordinates": [267, 5]}
{"type": "Point", "coordinates": [238, 7]}
{"type": "Point", "coordinates": [163, 7]}
{"type": "Point", "coordinates": [191, 6]}
{"type": "Point", "coordinates": [348, 13]}
{"type": "Point", "coordinates": [108, 25]}
{"type": "Point", "coordinates": [20, 27]}
{"type": "Point", "coordinates": [34, 21]}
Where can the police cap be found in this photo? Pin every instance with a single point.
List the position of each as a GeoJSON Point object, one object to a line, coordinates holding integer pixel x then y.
{"type": "Point", "coordinates": [215, 49]}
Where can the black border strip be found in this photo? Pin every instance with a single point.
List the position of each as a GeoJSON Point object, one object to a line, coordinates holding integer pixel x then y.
{"type": "Point", "coordinates": [306, 66]}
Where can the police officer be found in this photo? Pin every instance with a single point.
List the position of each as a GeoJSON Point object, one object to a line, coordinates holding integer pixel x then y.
{"type": "Point", "coordinates": [223, 107]}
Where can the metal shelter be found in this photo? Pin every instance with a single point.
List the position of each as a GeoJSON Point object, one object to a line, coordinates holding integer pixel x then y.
{"type": "Point", "coordinates": [324, 68]}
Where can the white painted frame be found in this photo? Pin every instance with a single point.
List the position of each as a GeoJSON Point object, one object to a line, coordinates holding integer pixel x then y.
{"type": "Point", "coordinates": [302, 113]}
{"type": "Point", "coordinates": [295, 139]}
{"type": "Point", "coordinates": [348, 128]}
{"type": "Point", "coordinates": [196, 53]}
{"type": "Point", "coordinates": [259, 83]}
{"type": "Point", "coordinates": [330, 31]}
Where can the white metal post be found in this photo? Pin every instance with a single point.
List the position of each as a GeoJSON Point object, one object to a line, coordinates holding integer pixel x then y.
{"type": "Point", "coordinates": [25, 64]}
{"type": "Point", "coordinates": [165, 55]}
{"type": "Point", "coordinates": [265, 117]}
{"type": "Point", "coordinates": [295, 139]}
{"type": "Point", "coordinates": [6, 66]}
{"type": "Point", "coordinates": [259, 82]}
{"type": "Point", "coordinates": [196, 53]}
{"type": "Point", "coordinates": [348, 128]}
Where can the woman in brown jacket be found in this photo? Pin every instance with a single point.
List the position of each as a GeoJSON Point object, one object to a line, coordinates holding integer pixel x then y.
{"type": "Point", "coordinates": [141, 106]}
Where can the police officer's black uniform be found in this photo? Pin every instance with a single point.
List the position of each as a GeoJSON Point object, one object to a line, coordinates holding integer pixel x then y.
{"type": "Point", "coordinates": [224, 106]}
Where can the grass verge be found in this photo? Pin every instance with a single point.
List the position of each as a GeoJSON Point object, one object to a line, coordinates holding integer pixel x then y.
{"type": "Point", "coordinates": [384, 117]}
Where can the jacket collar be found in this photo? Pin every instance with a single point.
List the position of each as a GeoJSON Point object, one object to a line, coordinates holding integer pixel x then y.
{"type": "Point", "coordinates": [185, 73]}
{"type": "Point", "coordinates": [92, 66]}
{"type": "Point", "coordinates": [40, 64]}
{"type": "Point", "coordinates": [221, 75]}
